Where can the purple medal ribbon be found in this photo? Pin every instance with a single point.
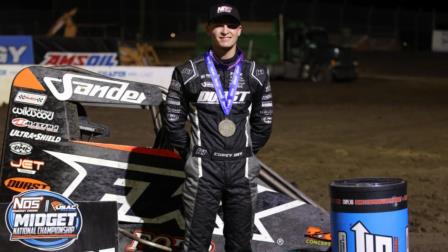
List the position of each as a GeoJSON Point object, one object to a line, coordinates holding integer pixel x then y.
{"type": "Point", "coordinates": [225, 102]}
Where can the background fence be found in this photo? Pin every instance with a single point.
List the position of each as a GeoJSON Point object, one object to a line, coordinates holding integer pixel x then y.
{"type": "Point", "coordinates": [155, 20]}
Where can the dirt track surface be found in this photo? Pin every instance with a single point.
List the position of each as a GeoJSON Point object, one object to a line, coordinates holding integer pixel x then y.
{"type": "Point", "coordinates": [369, 128]}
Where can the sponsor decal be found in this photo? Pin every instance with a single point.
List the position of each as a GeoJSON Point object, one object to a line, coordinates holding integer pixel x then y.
{"type": "Point", "coordinates": [206, 81]}
{"type": "Point", "coordinates": [207, 84]}
{"type": "Point", "coordinates": [266, 104]}
{"type": "Point", "coordinates": [366, 241]}
{"type": "Point", "coordinates": [34, 113]}
{"type": "Point", "coordinates": [175, 85]}
{"type": "Point", "coordinates": [210, 97]}
{"type": "Point", "coordinates": [27, 166]}
{"type": "Point", "coordinates": [20, 148]}
{"type": "Point", "coordinates": [228, 155]}
{"type": "Point", "coordinates": [224, 8]}
{"type": "Point", "coordinates": [16, 50]}
{"type": "Point", "coordinates": [212, 247]}
{"type": "Point", "coordinates": [19, 184]}
{"type": "Point", "coordinates": [31, 221]}
{"type": "Point", "coordinates": [174, 110]}
{"type": "Point", "coordinates": [86, 128]}
{"type": "Point", "coordinates": [370, 202]}
{"type": "Point", "coordinates": [187, 71]}
{"type": "Point", "coordinates": [266, 111]}
{"type": "Point", "coordinates": [93, 87]}
{"type": "Point", "coordinates": [30, 98]}
{"type": "Point", "coordinates": [173, 102]}
{"type": "Point", "coordinates": [342, 241]}
{"type": "Point", "coordinates": [162, 239]}
{"type": "Point", "coordinates": [11, 54]}
{"type": "Point", "coordinates": [266, 97]}
{"type": "Point", "coordinates": [268, 88]}
{"type": "Point", "coordinates": [172, 117]}
{"type": "Point", "coordinates": [34, 136]}
{"type": "Point", "coordinates": [25, 123]}
{"type": "Point", "coordinates": [259, 72]}
{"type": "Point", "coordinates": [201, 151]}
{"type": "Point", "coordinates": [267, 119]}
{"type": "Point", "coordinates": [315, 236]}
{"type": "Point", "coordinates": [80, 59]}
{"type": "Point", "coordinates": [317, 242]}
{"type": "Point", "coordinates": [114, 74]}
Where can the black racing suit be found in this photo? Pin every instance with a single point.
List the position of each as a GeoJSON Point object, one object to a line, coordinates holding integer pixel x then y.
{"type": "Point", "coordinates": [219, 169]}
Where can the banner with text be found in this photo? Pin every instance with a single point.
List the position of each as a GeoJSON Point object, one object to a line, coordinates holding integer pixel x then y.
{"type": "Point", "coordinates": [16, 50]}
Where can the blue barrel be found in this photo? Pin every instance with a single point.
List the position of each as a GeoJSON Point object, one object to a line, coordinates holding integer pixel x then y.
{"type": "Point", "coordinates": [369, 215]}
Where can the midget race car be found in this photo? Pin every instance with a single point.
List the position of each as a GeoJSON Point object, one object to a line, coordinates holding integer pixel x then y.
{"type": "Point", "coordinates": [51, 145]}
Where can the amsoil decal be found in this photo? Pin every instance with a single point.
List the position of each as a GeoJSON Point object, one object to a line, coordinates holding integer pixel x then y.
{"type": "Point", "coordinates": [19, 184]}
{"type": "Point", "coordinates": [34, 136]}
{"type": "Point", "coordinates": [80, 59]}
{"type": "Point", "coordinates": [25, 123]}
{"type": "Point", "coordinates": [34, 113]}
{"type": "Point", "coordinates": [27, 166]}
{"type": "Point", "coordinates": [94, 87]}
{"type": "Point", "coordinates": [30, 98]}
{"type": "Point", "coordinates": [43, 220]}
{"type": "Point", "coordinates": [20, 148]}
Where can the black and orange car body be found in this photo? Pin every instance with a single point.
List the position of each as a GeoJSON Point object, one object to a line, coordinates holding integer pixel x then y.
{"type": "Point", "coordinates": [45, 148]}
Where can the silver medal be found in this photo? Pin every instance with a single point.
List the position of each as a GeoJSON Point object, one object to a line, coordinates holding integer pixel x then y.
{"type": "Point", "coordinates": [226, 128]}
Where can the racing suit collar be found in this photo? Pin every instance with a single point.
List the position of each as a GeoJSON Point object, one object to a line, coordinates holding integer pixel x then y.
{"type": "Point", "coordinates": [227, 63]}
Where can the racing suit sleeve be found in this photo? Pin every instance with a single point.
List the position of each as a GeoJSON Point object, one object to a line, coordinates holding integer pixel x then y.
{"type": "Point", "coordinates": [175, 115]}
{"type": "Point", "coordinates": [262, 110]}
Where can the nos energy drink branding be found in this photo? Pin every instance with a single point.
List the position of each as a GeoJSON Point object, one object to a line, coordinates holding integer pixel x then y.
{"type": "Point", "coordinates": [369, 215]}
{"type": "Point", "coordinates": [43, 220]}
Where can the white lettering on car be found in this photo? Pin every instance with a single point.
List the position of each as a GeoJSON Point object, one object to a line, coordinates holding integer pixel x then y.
{"type": "Point", "coordinates": [93, 87]}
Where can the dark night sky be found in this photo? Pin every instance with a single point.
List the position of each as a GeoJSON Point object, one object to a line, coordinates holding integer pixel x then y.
{"type": "Point", "coordinates": [166, 5]}
{"type": "Point", "coordinates": [155, 16]}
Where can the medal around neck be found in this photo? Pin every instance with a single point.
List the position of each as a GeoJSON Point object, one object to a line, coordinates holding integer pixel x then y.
{"type": "Point", "coordinates": [226, 127]}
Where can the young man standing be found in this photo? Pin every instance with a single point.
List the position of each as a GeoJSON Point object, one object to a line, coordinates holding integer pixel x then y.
{"type": "Point", "coordinates": [229, 102]}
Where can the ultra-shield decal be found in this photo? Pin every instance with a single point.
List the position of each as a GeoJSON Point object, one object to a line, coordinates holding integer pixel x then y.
{"type": "Point", "coordinates": [43, 220]}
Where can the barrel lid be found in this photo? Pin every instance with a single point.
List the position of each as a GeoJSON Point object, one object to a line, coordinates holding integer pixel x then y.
{"type": "Point", "coordinates": [365, 195]}
{"type": "Point", "coordinates": [368, 185]}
